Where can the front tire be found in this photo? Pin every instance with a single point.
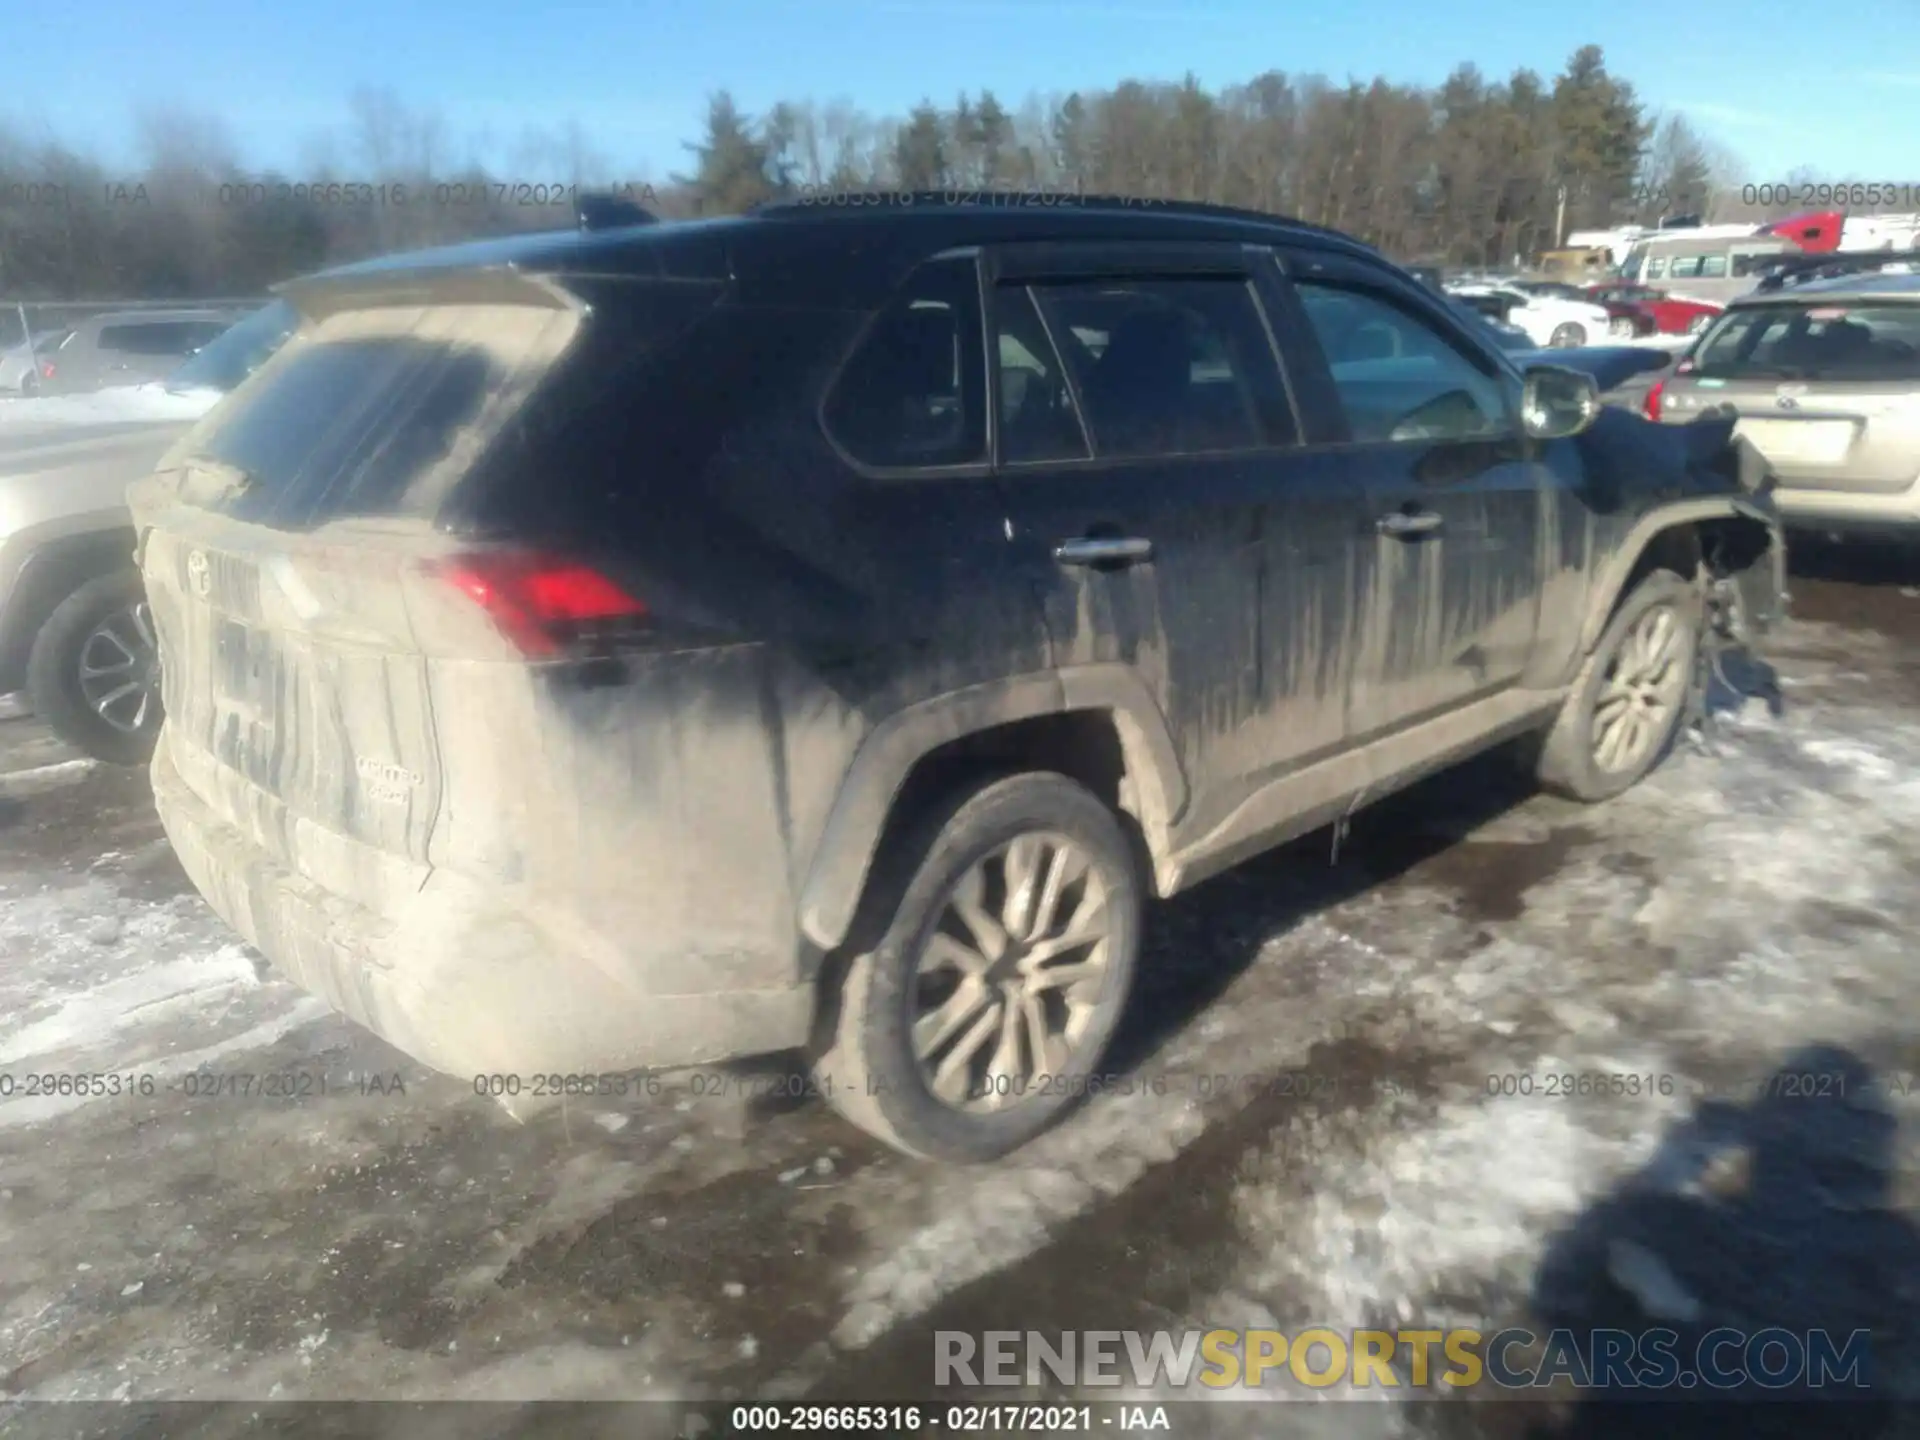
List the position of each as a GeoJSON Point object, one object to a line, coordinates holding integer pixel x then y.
{"type": "Point", "coordinates": [1628, 702]}
{"type": "Point", "coordinates": [1012, 931]}
{"type": "Point", "coordinates": [93, 673]}
{"type": "Point", "coordinates": [1569, 336]}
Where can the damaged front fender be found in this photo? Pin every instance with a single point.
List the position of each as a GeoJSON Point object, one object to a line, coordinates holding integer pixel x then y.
{"type": "Point", "coordinates": [1708, 502]}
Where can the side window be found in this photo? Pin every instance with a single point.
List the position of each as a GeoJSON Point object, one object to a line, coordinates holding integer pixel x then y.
{"type": "Point", "coordinates": [1747, 263]}
{"type": "Point", "coordinates": [1656, 267]}
{"type": "Point", "coordinates": [1685, 267]}
{"type": "Point", "coordinates": [1038, 420]}
{"type": "Point", "coordinates": [1712, 266]}
{"type": "Point", "coordinates": [158, 337]}
{"type": "Point", "coordinates": [911, 393]}
{"type": "Point", "coordinates": [1170, 366]}
{"type": "Point", "coordinates": [1399, 378]}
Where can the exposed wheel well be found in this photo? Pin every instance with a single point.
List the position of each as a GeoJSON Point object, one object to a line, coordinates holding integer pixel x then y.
{"type": "Point", "coordinates": [1698, 551]}
{"type": "Point", "coordinates": [1676, 548]}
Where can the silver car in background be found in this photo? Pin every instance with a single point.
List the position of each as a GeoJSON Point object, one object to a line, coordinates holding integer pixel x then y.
{"type": "Point", "coordinates": [20, 364]}
{"type": "Point", "coordinates": [127, 347]}
{"type": "Point", "coordinates": [1826, 380]}
{"type": "Point", "coordinates": [74, 629]}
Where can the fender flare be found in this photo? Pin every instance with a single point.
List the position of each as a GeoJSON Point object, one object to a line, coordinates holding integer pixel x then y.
{"type": "Point", "coordinates": [1606, 595]}
{"type": "Point", "coordinates": [841, 862]}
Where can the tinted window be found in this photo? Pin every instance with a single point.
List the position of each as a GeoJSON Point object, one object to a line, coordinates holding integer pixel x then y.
{"type": "Point", "coordinates": [359, 420]}
{"type": "Point", "coordinates": [1750, 264]}
{"type": "Point", "coordinates": [1169, 367]}
{"type": "Point", "coordinates": [1841, 341]}
{"type": "Point", "coordinates": [911, 393]}
{"type": "Point", "coordinates": [1656, 267]}
{"type": "Point", "coordinates": [1685, 266]}
{"type": "Point", "coordinates": [158, 337]}
{"type": "Point", "coordinates": [1399, 377]}
{"type": "Point", "coordinates": [1712, 266]}
{"type": "Point", "coordinates": [1037, 417]}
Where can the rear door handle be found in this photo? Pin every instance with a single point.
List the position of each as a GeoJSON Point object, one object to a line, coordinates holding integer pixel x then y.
{"type": "Point", "coordinates": [1125, 550]}
{"type": "Point", "coordinates": [1403, 522]}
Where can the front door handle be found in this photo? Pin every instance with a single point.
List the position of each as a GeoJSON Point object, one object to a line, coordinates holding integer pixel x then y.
{"type": "Point", "coordinates": [1409, 522]}
{"type": "Point", "coordinates": [1091, 550]}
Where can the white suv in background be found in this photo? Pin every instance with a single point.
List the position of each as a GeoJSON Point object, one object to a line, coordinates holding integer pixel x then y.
{"type": "Point", "coordinates": [1549, 319]}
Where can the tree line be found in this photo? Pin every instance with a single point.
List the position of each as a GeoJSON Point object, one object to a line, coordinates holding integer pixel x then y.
{"type": "Point", "coordinates": [1474, 171]}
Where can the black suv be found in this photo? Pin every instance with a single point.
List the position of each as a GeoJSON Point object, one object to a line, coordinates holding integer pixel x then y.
{"type": "Point", "coordinates": [825, 628]}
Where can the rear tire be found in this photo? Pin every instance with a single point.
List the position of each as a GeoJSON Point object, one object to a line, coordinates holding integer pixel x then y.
{"type": "Point", "coordinates": [1038, 861]}
{"type": "Point", "coordinates": [76, 660]}
{"type": "Point", "coordinates": [1627, 704]}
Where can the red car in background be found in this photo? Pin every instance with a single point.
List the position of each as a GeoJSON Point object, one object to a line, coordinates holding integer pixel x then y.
{"type": "Point", "coordinates": [1651, 311]}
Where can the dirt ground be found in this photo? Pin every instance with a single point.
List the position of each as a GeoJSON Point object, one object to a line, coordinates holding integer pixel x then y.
{"type": "Point", "coordinates": [358, 1228]}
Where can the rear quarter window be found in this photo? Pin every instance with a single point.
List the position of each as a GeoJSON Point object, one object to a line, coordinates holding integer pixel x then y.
{"type": "Point", "coordinates": [158, 337]}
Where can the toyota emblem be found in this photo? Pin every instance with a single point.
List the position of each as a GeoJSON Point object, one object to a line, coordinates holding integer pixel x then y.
{"type": "Point", "coordinates": [198, 573]}
{"type": "Point", "coordinates": [1787, 402]}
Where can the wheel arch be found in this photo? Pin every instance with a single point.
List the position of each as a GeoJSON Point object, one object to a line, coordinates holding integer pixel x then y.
{"type": "Point", "coordinates": [58, 565]}
{"type": "Point", "coordinates": [1098, 724]}
{"type": "Point", "coordinates": [1677, 537]}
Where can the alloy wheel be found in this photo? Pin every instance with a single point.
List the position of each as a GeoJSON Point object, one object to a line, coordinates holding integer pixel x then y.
{"type": "Point", "coordinates": [1013, 974]}
{"type": "Point", "coordinates": [120, 670]}
{"type": "Point", "coordinates": [1642, 691]}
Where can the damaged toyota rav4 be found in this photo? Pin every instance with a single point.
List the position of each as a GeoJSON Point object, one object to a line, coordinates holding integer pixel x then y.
{"type": "Point", "coordinates": [825, 629]}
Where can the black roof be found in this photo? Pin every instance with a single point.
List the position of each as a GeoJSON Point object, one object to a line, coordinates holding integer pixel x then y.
{"type": "Point", "coordinates": [836, 255]}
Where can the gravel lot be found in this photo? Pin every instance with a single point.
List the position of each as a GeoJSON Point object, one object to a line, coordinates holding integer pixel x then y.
{"type": "Point", "coordinates": [399, 1237]}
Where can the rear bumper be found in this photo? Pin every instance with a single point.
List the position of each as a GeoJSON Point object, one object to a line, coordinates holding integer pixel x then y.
{"type": "Point", "coordinates": [465, 979]}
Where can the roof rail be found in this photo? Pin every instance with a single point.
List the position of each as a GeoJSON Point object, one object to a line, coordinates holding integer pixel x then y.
{"type": "Point", "coordinates": [1799, 269]}
{"type": "Point", "coordinates": [856, 200]}
{"type": "Point", "coordinates": [612, 212]}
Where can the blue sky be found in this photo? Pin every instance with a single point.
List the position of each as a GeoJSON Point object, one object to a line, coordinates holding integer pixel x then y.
{"type": "Point", "coordinates": [1845, 99]}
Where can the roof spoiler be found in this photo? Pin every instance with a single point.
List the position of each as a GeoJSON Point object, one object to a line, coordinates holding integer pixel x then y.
{"type": "Point", "coordinates": [318, 296]}
{"type": "Point", "coordinates": [612, 212]}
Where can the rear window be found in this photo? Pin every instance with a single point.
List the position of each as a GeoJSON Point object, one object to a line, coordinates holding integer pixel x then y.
{"type": "Point", "coordinates": [378, 412]}
{"type": "Point", "coordinates": [1838, 341]}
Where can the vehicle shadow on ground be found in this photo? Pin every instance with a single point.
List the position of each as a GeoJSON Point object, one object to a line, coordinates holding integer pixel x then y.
{"type": "Point", "coordinates": [1777, 1213]}
{"type": "Point", "coordinates": [1197, 944]}
{"type": "Point", "coordinates": [1856, 562]}
{"type": "Point", "coordinates": [1858, 584]}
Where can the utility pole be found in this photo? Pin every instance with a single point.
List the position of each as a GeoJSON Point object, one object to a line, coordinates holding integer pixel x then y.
{"type": "Point", "coordinates": [1560, 220]}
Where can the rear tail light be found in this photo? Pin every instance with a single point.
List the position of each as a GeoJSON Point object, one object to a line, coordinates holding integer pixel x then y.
{"type": "Point", "coordinates": [1655, 393]}
{"type": "Point", "coordinates": [46, 369]}
{"type": "Point", "coordinates": [544, 604]}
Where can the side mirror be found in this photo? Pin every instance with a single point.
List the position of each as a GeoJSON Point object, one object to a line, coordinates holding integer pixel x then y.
{"type": "Point", "coordinates": [1557, 402]}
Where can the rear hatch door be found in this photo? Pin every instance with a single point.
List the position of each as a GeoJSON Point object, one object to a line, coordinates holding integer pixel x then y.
{"type": "Point", "coordinates": [281, 542]}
